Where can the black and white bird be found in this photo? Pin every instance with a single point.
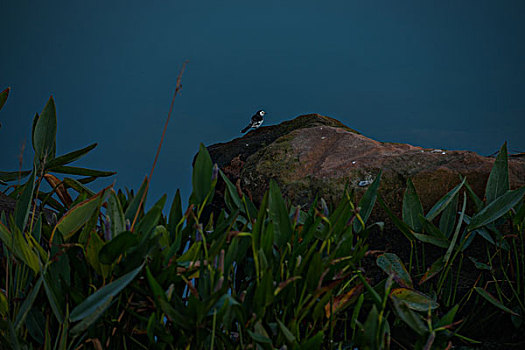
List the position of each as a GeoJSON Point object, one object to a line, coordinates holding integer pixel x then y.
{"type": "Point", "coordinates": [256, 121]}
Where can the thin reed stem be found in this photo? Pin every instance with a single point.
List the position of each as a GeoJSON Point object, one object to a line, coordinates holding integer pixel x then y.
{"type": "Point", "coordinates": [178, 87]}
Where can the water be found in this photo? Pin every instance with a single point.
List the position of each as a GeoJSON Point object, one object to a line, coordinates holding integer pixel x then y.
{"type": "Point", "coordinates": [444, 76]}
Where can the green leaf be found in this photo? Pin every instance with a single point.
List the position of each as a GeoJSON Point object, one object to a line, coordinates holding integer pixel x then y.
{"type": "Point", "coordinates": [403, 227]}
{"type": "Point", "coordinates": [448, 318]}
{"type": "Point", "coordinates": [175, 215]}
{"type": "Point", "coordinates": [259, 223]}
{"type": "Point", "coordinates": [3, 219]}
{"type": "Point", "coordinates": [90, 306]}
{"type": "Point", "coordinates": [264, 292]}
{"type": "Point", "coordinates": [279, 216]}
{"type": "Point", "coordinates": [162, 302]}
{"type": "Point", "coordinates": [22, 247]}
{"type": "Point", "coordinates": [90, 225]}
{"type": "Point", "coordinates": [367, 202]}
{"type": "Point", "coordinates": [431, 229]}
{"type": "Point", "coordinates": [87, 179]}
{"type": "Point", "coordinates": [63, 334]}
{"type": "Point", "coordinates": [444, 201]}
{"type": "Point", "coordinates": [437, 241]}
{"type": "Point", "coordinates": [23, 204]}
{"type": "Point", "coordinates": [286, 332]}
{"type": "Point", "coordinates": [412, 207]}
{"type": "Point", "coordinates": [259, 338]}
{"type": "Point", "coordinates": [191, 253]}
{"type": "Point", "coordinates": [115, 213]}
{"type": "Point", "coordinates": [92, 251]}
{"type": "Point", "coordinates": [496, 209]}
{"type": "Point", "coordinates": [4, 305]}
{"type": "Point", "coordinates": [520, 215]}
{"type": "Point", "coordinates": [174, 315]}
{"type": "Point", "coordinates": [161, 233]}
{"type": "Point", "coordinates": [117, 246]}
{"type": "Point", "coordinates": [456, 233]}
{"type": "Point", "coordinates": [447, 220]}
{"type": "Point", "coordinates": [13, 175]}
{"type": "Point", "coordinates": [3, 96]}
{"type": "Point", "coordinates": [433, 270]}
{"type": "Point", "coordinates": [77, 186]}
{"type": "Point", "coordinates": [36, 325]}
{"type": "Point", "coordinates": [517, 321]}
{"type": "Point", "coordinates": [158, 293]}
{"type": "Point", "coordinates": [479, 265]}
{"type": "Point", "coordinates": [313, 343]}
{"type": "Point", "coordinates": [92, 317]}
{"type": "Point", "coordinates": [69, 157]}
{"type": "Point", "coordinates": [151, 219]}
{"type": "Point", "coordinates": [231, 190]}
{"type": "Point", "coordinates": [44, 138]}
{"type": "Point", "coordinates": [201, 178]}
{"type": "Point", "coordinates": [315, 269]}
{"type": "Point", "coordinates": [494, 301]}
{"type": "Point", "coordinates": [13, 339]}
{"type": "Point", "coordinates": [357, 308]}
{"type": "Point", "coordinates": [392, 265]}
{"type": "Point", "coordinates": [368, 335]}
{"type": "Point", "coordinates": [375, 296]}
{"type": "Point", "coordinates": [133, 206]}
{"type": "Point", "coordinates": [150, 328]}
{"type": "Point", "coordinates": [260, 335]}
{"type": "Point", "coordinates": [77, 216]}
{"type": "Point", "coordinates": [498, 182]}
{"type": "Point", "coordinates": [35, 120]}
{"type": "Point", "coordinates": [485, 234]}
{"type": "Point", "coordinates": [412, 319]}
{"type": "Point", "coordinates": [28, 304]}
{"type": "Point", "coordinates": [54, 294]}
{"type": "Point", "coordinates": [478, 203]}
{"type": "Point", "coordinates": [415, 300]}
{"type": "Point", "coordinates": [72, 170]}
{"type": "Point", "coordinates": [60, 268]}
{"type": "Point", "coordinates": [37, 229]}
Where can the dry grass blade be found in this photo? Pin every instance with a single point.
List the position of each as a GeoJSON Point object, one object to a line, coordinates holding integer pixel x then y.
{"type": "Point", "coordinates": [178, 87]}
{"type": "Point", "coordinates": [59, 188]}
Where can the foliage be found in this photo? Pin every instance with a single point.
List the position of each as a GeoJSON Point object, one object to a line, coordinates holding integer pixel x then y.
{"type": "Point", "coordinates": [247, 276]}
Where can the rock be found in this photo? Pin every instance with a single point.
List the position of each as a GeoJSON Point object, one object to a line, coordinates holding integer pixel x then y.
{"type": "Point", "coordinates": [250, 143]}
{"type": "Point", "coordinates": [317, 155]}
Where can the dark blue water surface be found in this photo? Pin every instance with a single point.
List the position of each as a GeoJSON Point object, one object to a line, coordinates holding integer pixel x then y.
{"type": "Point", "coordinates": [441, 74]}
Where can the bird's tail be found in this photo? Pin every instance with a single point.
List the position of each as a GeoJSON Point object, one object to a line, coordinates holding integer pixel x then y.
{"type": "Point", "coordinates": [246, 128]}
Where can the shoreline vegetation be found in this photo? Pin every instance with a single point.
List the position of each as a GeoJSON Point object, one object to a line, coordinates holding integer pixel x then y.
{"type": "Point", "coordinates": [81, 269]}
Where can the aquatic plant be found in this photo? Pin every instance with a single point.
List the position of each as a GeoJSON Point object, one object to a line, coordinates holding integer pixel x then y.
{"type": "Point", "coordinates": [77, 273]}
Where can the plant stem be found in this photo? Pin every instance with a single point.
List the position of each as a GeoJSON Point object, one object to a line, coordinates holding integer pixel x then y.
{"type": "Point", "coordinates": [178, 86]}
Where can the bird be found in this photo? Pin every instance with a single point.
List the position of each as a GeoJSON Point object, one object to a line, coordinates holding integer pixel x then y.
{"type": "Point", "coordinates": [256, 121]}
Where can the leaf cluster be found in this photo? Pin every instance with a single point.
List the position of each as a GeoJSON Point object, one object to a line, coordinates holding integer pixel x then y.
{"type": "Point", "coordinates": [265, 276]}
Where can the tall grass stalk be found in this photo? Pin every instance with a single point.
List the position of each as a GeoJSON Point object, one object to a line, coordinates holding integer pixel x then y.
{"type": "Point", "coordinates": [178, 87]}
